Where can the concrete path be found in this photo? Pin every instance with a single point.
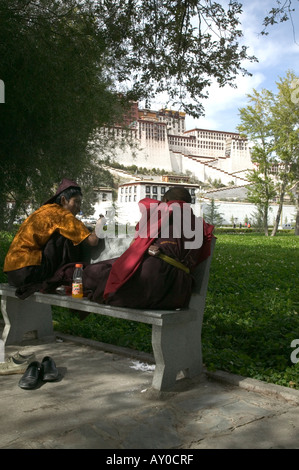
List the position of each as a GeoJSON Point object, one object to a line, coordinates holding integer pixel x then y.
{"type": "Point", "coordinates": [104, 400]}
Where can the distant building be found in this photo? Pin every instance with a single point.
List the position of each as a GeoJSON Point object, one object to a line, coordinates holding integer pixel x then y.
{"type": "Point", "coordinates": [129, 194]}
{"type": "Point", "coordinates": [104, 201]}
{"type": "Point", "coordinates": [162, 142]}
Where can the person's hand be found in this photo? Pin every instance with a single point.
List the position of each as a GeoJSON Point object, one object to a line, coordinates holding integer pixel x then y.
{"type": "Point", "coordinates": [153, 250]}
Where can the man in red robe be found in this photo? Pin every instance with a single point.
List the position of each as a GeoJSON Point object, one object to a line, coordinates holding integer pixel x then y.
{"type": "Point", "coordinates": [156, 270]}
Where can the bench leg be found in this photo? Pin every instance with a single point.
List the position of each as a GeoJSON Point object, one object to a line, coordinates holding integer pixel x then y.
{"type": "Point", "coordinates": [177, 348]}
{"type": "Point", "coordinates": [22, 316]}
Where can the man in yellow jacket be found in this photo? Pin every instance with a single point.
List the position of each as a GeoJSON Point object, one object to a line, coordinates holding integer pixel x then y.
{"type": "Point", "coordinates": [47, 239]}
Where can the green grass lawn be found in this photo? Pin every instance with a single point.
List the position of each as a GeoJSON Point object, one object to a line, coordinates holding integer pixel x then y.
{"type": "Point", "coordinates": [251, 315]}
{"type": "Point", "coordinates": [252, 309]}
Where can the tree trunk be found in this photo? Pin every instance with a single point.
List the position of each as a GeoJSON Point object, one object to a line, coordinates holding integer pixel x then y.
{"type": "Point", "coordinates": [265, 221]}
{"type": "Point", "coordinates": [281, 198]}
{"type": "Point", "coordinates": [297, 215]}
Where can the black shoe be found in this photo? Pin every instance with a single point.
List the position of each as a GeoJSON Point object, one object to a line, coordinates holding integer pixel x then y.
{"type": "Point", "coordinates": [49, 370]}
{"type": "Point", "coordinates": [31, 376]}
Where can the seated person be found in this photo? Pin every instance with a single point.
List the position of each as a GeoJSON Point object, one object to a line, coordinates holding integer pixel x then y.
{"type": "Point", "coordinates": [48, 239]}
{"type": "Point", "coordinates": [155, 271]}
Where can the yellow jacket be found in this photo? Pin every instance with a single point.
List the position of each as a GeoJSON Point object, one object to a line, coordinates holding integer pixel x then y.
{"type": "Point", "coordinates": [34, 233]}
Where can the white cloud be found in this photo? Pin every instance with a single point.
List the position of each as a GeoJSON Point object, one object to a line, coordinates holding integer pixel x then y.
{"type": "Point", "coordinates": [275, 48]}
{"type": "Point", "coordinates": [223, 103]}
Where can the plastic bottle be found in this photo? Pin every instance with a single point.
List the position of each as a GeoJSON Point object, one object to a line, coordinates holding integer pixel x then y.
{"type": "Point", "coordinates": [77, 285]}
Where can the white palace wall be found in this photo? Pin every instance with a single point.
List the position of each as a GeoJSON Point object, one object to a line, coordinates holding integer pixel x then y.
{"type": "Point", "coordinates": [161, 142]}
{"type": "Point", "coordinates": [204, 170]}
{"type": "Point", "coordinates": [150, 150]}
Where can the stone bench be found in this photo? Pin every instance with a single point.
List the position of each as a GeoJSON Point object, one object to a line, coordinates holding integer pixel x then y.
{"type": "Point", "coordinates": [176, 334]}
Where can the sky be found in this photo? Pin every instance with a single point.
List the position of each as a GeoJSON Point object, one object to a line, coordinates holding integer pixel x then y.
{"type": "Point", "coordinates": [277, 53]}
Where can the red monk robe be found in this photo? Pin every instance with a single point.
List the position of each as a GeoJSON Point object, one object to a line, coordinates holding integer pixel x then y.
{"type": "Point", "coordinates": [138, 280]}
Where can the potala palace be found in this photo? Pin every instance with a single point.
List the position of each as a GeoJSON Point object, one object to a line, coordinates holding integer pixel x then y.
{"type": "Point", "coordinates": [161, 141]}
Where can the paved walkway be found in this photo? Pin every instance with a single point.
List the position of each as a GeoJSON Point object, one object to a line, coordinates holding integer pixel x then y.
{"type": "Point", "coordinates": [104, 400]}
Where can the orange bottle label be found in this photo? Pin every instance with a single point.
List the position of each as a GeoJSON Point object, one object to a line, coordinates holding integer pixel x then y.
{"type": "Point", "coordinates": [77, 289]}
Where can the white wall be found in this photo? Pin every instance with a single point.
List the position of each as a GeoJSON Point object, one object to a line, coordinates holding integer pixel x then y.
{"type": "Point", "coordinates": [239, 210]}
{"type": "Point", "coordinates": [128, 213]}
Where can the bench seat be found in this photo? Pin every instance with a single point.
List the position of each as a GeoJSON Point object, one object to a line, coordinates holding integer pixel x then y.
{"type": "Point", "coordinates": [176, 334]}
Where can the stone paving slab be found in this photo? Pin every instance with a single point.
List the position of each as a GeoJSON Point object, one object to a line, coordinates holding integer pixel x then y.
{"type": "Point", "coordinates": [105, 401]}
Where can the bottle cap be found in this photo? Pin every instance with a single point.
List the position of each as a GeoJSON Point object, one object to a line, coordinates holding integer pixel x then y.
{"type": "Point", "coordinates": [79, 265]}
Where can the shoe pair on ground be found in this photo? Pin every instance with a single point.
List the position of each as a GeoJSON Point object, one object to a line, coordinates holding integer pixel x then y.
{"type": "Point", "coordinates": [16, 364]}
{"type": "Point", "coordinates": [45, 371]}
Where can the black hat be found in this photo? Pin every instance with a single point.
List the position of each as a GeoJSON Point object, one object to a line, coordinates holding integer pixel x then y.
{"type": "Point", "coordinates": [65, 184]}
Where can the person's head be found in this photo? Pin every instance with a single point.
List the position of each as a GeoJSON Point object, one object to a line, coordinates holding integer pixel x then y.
{"type": "Point", "coordinates": [177, 194]}
{"type": "Point", "coordinates": [71, 199]}
{"type": "Point", "coordinates": [68, 195]}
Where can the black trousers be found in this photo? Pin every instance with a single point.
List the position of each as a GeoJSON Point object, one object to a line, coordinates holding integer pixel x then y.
{"type": "Point", "coordinates": [57, 252]}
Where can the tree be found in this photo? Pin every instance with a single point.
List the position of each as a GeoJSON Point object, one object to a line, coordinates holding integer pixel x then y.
{"type": "Point", "coordinates": [212, 215]}
{"type": "Point", "coordinates": [257, 218]}
{"type": "Point", "coordinates": [256, 125]}
{"type": "Point", "coordinates": [173, 46]}
{"type": "Point", "coordinates": [281, 13]}
{"type": "Point", "coordinates": [55, 95]}
{"type": "Point", "coordinates": [296, 192]}
{"type": "Point", "coordinates": [272, 121]}
{"type": "Point", "coordinates": [285, 128]}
